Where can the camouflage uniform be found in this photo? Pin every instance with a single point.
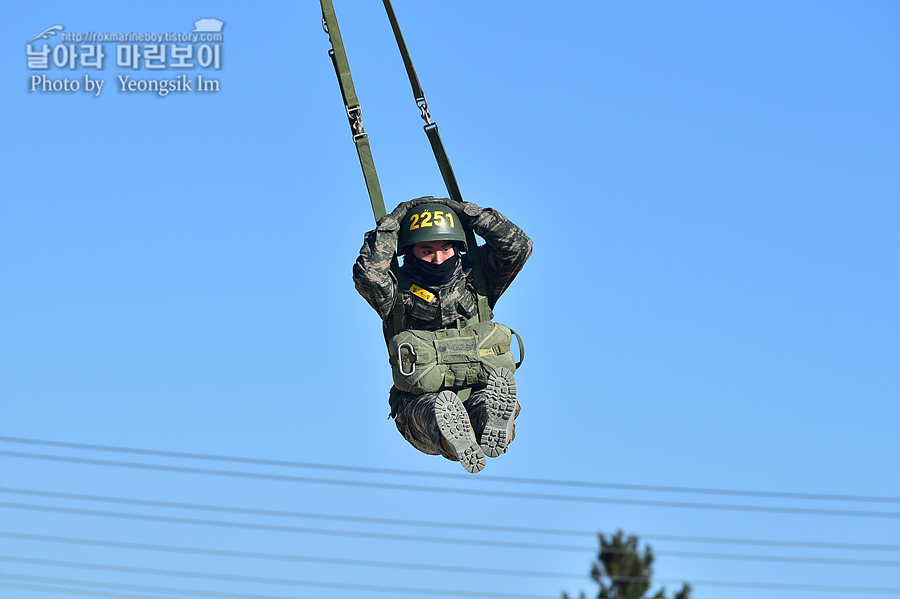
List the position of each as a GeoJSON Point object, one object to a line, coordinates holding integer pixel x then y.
{"type": "Point", "coordinates": [503, 256]}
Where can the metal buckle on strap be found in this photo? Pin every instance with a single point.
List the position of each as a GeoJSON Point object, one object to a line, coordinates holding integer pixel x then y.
{"type": "Point", "coordinates": [423, 107]}
{"type": "Point", "coordinates": [356, 124]}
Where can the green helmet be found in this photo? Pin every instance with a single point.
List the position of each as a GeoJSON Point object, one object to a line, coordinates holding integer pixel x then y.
{"type": "Point", "coordinates": [430, 222]}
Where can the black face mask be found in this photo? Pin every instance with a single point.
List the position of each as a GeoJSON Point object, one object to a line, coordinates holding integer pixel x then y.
{"type": "Point", "coordinates": [429, 273]}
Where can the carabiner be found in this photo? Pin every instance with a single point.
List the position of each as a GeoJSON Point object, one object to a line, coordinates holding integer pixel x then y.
{"type": "Point", "coordinates": [412, 352]}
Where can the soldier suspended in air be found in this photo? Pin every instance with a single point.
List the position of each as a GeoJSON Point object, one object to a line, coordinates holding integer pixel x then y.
{"type": "Point", "coordinates": [454, 392]}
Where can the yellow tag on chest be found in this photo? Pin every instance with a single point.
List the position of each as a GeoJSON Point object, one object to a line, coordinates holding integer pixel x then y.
{"type": "Point", "coordinates": [423, 293]}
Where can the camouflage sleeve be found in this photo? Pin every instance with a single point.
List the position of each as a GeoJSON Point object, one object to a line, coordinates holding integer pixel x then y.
{"type": "Point", "coordinates": [372, 271]}
{"type": "Point", "coordinates": [505, 251]}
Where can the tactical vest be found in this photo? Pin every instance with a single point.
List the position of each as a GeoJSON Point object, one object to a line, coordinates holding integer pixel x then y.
{"type": "Point", "coordinates": [436, 341]}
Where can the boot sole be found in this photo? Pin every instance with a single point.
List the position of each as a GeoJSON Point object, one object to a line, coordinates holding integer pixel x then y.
{"type": "Point", "coordinates": [453, 422]}
{"type": "Point", "coordinates": [500, 406]}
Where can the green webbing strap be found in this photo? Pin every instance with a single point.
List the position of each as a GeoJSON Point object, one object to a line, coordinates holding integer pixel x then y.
{"type": "Point", "coordinates": [521, 349]}
{"type": "Point", "coordinates": [368, 167]}
{"type": "Point", "coordinates": [437, 146]}
{"type": "Point", "coordinates": [398, 312]}
{"type": "Point", "coordinates": [360, 137]}
{"type": "Point", "coordinates": [351, 104]}
{"type": "Point", "coordinates": [484, 308]}
{"type": "Point", "coordinates": [407, 61]}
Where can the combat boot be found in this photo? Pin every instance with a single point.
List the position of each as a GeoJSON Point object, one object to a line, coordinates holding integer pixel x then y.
{"type": "Point", "coordinates": [457, 433]}
{"type": "Point", "coordinates": [500, 407]}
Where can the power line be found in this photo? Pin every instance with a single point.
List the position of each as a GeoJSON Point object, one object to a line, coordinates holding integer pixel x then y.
{"type": "Point", "coordinates": [697, 583]}
{"type": "Point", "coordinates": [397, 472]}
{"type": "Point", "coordinates": [77, 591]}
{"type": "Point", "coordinates": [264, 580]}
{"type": "Point", "coordinates": [432, 539]}
{"type": "Point", "coordinates": [109, 585]}
{"type": "Point", "coordinates": [295, 514]}
{"type": "Point", "coordinates": [289, 558]}
{"type": "Point", "coordinates": [434, 524]}
{"type": "Point", "coordinates": [482, 493]}
{"type": "Point", "coordinates": [292, 529]}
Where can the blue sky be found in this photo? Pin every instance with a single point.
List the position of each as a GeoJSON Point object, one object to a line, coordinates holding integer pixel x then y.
{"type": "Point", "coordinates": [713, 190]}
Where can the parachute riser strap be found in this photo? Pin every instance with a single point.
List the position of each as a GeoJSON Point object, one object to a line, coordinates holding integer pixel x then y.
{"type": "Point", "coordinates": [418, 94]}
{"type": "Point", "coordinates": [351, 105]}
{"type": "Point", "coordinates": [367, 163]}
{"type": "Point", "coordinates": [440, 155]}
{"type": "Point", "coordinates": [477, 288]}
{"type": "Point", "coordinates": [398, 312]}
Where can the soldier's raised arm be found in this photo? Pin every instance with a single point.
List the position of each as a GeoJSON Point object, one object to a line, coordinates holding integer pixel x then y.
{"type": "Point", "coordinates": [506, 246]}
{"type": "Point", "coordinates": [372, 270]}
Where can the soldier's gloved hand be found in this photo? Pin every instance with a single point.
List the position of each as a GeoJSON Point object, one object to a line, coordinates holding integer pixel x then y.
{"type": "Point", "coordinates": [389, 223]}
{"type": "Point", "coordinates": [466, 211]}
{"type": "Point", "coordinates": [399, 213]}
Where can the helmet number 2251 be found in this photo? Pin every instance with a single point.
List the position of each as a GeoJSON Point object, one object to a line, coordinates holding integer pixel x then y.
{"type": "Point", "coordinates": [427, 218]}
